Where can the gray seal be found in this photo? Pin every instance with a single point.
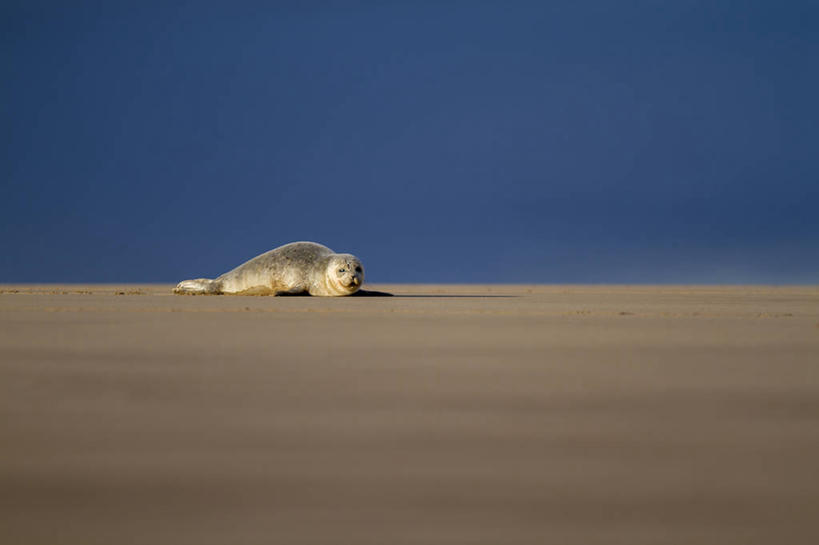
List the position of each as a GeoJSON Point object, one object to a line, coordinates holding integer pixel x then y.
{"type": "Point", "coordinates": [298, 268]}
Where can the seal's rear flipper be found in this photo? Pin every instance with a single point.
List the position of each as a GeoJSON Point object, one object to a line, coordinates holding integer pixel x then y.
{"type": "Point", "coordinates": [198, 286]}
{"type": "Point", "coordinates": [367, 293]}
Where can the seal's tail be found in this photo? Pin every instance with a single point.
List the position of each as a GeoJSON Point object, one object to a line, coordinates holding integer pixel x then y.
{"type": "Point", "coordinates": [198, 286]}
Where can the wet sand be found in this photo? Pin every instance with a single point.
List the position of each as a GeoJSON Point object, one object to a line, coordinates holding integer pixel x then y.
{"type": "Point", "coordinates": [450, 415]}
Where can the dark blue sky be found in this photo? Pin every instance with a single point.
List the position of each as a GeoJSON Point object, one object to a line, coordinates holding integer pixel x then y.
{"type": "Point", "coordinates": [439, 141]}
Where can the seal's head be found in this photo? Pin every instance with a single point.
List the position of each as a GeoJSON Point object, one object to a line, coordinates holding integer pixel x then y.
{"type": "Point", "coordinates": [345, 274]}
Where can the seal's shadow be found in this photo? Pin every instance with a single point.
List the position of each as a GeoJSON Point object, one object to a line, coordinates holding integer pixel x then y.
{"type": "Point", "coordinates": [359, 293]}
{"type": "Point", "coordinates": [367, 293]}
{"type": "Point", "coordinates": [440, 296]}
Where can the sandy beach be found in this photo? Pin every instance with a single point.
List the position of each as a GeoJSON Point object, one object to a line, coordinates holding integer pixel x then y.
{"type": "Point", "coordinates": [445, 415]}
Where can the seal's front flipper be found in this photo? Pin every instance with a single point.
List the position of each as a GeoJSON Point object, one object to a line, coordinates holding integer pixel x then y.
{"type": "Point", "coordinates": [367, 293]}
{"type": "Point", "coordinates": [198, 286]}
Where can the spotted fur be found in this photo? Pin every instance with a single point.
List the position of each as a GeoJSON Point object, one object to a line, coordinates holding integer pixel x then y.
{"type": "Point", "coordinates": [298, 267]}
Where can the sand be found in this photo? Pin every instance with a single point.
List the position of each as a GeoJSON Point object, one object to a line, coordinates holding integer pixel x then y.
{"type": "Point", "coordinates": [453, 415]}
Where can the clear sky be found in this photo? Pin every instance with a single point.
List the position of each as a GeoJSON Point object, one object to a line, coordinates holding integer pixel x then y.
{"type": "Point", "coordinates": [577, 141]}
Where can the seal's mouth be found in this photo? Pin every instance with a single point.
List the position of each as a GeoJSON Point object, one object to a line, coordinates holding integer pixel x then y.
{"type": "Point", "coordinates": [354, 283]}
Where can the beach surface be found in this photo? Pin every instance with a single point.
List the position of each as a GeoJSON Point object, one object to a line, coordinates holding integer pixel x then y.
{"type": "Point", "coordinates": [444, 415]}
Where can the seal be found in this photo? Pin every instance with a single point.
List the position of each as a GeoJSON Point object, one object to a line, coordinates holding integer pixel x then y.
{"type": "Point", "coordinates": [298, 268]}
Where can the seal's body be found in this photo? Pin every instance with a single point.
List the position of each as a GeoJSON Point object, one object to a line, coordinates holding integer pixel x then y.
{"type": "Point", "coordinates": [295, 268]}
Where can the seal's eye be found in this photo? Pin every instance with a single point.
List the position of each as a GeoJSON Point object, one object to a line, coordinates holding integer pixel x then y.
{"type": "Point", "coordinates": [342, 270]}
{"type": "Point", "coordinates": [358, 269]}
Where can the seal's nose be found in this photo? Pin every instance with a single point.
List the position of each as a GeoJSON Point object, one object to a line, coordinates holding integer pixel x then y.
{"type": "Point", "coordinates": [356, 281]}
